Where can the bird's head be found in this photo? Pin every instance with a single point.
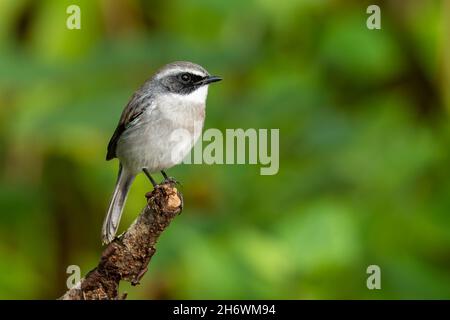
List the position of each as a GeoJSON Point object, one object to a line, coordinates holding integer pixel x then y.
{"type": "Point", "coordinates": [185, 79]}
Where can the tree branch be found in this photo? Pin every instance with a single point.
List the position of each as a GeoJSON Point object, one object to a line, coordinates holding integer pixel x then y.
{"type": "Point", "coordinates": [127, 257]}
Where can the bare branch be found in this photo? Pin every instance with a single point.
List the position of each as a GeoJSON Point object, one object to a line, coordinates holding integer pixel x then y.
{"type": "Point", "coordinates": [127, 257]}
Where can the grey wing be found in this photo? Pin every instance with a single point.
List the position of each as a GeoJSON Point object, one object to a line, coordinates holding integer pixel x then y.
{"type": "Point", "coordinates": [132, 111]}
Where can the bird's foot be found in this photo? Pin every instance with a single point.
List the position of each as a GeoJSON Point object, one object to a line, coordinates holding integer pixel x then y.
{"type": "Point", "coordinates": [168, 184]}
{"type": "Point", "coordinates": [171, 181]}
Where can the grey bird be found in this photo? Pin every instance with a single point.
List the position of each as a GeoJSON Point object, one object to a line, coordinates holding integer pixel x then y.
{"type": "Point", "coordinates": [158, 128]}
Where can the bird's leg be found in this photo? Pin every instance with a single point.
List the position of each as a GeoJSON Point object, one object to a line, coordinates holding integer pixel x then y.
{"type": "Point", "coordinates": [168, 179]}
{"type": "Point", "coordinates": [150, 177]}
{"type": "Point", "coordinates": [164, 175]}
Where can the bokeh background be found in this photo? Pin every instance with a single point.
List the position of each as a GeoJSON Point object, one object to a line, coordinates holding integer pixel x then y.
{"type": "Point", "coordinates": [364, 146]}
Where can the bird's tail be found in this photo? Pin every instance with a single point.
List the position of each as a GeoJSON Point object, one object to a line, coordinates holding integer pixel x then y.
{"type": "Point", "coordinates": [112, 219]}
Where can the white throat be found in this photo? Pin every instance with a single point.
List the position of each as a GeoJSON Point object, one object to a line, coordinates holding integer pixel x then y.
{"type": "Point", "coordinates": [179, 108]}
{"type": "Point", "coordinates": [197, 96]}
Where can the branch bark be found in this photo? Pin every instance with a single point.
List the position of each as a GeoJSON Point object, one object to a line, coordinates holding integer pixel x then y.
{"type": "Point", "coordinates": [127, 257]}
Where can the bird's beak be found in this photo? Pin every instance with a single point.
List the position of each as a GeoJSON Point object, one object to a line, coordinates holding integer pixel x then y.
{"type": "Point", "coordinates": [209, 79]}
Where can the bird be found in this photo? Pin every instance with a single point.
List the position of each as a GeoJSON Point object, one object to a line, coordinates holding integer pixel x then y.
{"type": "Point", "coordinates": [157, 129]}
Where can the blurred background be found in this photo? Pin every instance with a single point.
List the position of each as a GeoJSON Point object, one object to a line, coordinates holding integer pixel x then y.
{"type": "Point", "coordinates": [364, 146]}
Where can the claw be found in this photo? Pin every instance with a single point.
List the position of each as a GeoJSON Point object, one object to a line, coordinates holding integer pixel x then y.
{"type": "Point", "coordinates": [171, 180]}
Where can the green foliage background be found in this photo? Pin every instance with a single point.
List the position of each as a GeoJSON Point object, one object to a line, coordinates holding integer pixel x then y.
{"type": "Point", "coordinates": [364, 146]}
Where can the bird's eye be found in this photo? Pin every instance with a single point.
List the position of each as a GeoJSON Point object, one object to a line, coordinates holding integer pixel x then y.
{"type": "Point", "coordinates": [185, 77]}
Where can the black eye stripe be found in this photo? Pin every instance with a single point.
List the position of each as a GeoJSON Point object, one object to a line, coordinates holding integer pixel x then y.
{"type": "Point", "coordinates": [196, 77]}
{"type": "Point", "coordinates": [188, 77]}
{"type": "Point", "coordinates": [176, 83]}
